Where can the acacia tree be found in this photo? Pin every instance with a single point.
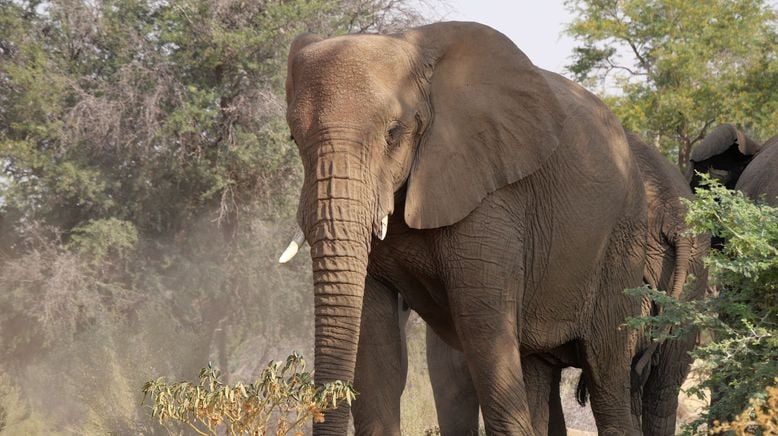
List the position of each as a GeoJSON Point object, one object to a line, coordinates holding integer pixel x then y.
{"type": "Point", "coordinates": [674, 68]}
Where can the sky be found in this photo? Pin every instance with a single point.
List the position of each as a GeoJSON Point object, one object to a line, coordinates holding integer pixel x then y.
{"type": "Point", "coordinates": [535, 26]}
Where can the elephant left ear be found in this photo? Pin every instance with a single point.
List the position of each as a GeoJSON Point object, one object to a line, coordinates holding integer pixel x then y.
{"type": "Point", "coordinates": [494, 121]}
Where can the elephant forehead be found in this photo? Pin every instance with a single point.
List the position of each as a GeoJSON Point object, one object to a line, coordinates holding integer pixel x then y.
{"type": "Point", "coordinates": [353, 62]}
{"type": "Point", "coordinates": [345, 81]}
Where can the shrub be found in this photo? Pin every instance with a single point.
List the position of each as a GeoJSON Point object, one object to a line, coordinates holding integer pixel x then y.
{"type": "Point", "coordinates": [283, 392]}
{"type": "Point", "coordinates": [760, 415]}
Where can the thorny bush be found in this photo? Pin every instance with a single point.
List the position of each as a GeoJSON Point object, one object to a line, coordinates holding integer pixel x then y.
{"type": "Point", "coordinates": [284, 392]}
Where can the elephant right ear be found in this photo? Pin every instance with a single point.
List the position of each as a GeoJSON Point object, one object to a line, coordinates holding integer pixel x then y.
{"type": "Point", "coordinates": [720, 140]}
{"type": "Point", "coordinates": [298, 44]}
{"type": "Point", "coordinates": [494, 121]}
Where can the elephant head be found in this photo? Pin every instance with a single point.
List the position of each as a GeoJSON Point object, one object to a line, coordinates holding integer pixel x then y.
{"type": "Point", "coordinates": [723, 154]}
{"type": "Point", "coordinates": [423, 121]}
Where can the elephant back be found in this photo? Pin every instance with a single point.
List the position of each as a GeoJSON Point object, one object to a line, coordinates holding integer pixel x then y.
{"type": "Point", "coordinates": [759, 181]}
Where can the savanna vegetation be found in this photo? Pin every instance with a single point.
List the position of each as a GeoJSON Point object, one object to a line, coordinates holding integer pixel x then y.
{"type": "Point", "coordinates": [149, 183]}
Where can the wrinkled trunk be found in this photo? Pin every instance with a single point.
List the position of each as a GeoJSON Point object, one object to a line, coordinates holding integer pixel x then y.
{"type": "Point", "coordinates": [660, 394]}
{"type": "Point", "coordinates": [338, 227]}
{"type": "Point", "coordinates": [683, 251]}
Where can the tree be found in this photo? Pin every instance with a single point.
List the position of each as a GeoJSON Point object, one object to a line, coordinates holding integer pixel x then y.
{"type": "Point", "coordinates": [154, 112]}
{"type": "Point", "coordinates": [677, 67]}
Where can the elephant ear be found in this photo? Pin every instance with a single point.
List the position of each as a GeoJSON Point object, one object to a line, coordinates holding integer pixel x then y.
{"type": "Point", "coordinates": [720, 140]}
{"type": "Point", "coordinates": [494, 121]}
{"type": "Point", "coordinates": [300, 41]}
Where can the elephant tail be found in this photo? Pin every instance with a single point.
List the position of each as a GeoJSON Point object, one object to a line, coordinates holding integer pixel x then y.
{"type": "Point", "coordinates": [580, 392]}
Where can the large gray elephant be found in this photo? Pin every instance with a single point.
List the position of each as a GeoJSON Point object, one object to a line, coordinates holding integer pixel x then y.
{"type": "Point", "coordinates": [500, 201]}
{"type": "Point", "coordinates": [759, 181]}
{"type": "Point", "coordinates": [658, 370]}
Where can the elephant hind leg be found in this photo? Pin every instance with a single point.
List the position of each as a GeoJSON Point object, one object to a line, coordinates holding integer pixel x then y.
{"type": "Point", "coordinates": [660, 396]}
{"type": "Point", "coordinates": [556, 416]}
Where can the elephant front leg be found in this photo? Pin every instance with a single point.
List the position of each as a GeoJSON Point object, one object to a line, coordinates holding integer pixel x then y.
{"type": "Point", "coordinates": [381, 366]}
{"type": "Point", "coordinates": [455, 398]}
{"type": "Point", "coordinates": [492, 355]}
{"type": "Point", "coordinates": [485, 320]}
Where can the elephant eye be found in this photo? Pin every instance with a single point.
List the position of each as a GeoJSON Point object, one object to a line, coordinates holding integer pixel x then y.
{"type": "Point", "coordinates": [394, 133]}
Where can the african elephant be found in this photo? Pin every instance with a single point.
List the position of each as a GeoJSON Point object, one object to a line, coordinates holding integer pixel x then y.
{"type": "Point", "coordinates": [658, 370]}
{"type": "Point", "coordinates": [759, 181]}
{"type": "Point", "coordinates": [516, 212]}
{"type": "Point", "coordinates": [724, 154]}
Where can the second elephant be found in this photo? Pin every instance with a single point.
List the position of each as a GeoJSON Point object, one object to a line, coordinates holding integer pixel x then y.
{"type": "Point", "coordinates": [658, 369]}
{"type": "Point", "coordinates": [759, 180]}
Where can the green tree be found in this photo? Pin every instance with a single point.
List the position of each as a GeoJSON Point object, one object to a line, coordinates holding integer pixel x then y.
{"type": "Point", "coordinates": [674, 68]}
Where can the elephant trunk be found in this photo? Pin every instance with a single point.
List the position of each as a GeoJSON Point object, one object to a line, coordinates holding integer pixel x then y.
{"type": "Point", "coordinates": [338, 227]}
{"type": "Point", "coordinates": [672, 359]}
{"type": "Point", "coordinates": [683, 250]}
{"type": "Point", "coordinates": [339, 281]}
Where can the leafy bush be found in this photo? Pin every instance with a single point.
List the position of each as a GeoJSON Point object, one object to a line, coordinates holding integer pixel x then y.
{"type": "Point", "coordinates": [283, 391]}
{"type": "Point", "coordinates": [760, 415]}
{"type": "Point", "coordinates": [741, 360]}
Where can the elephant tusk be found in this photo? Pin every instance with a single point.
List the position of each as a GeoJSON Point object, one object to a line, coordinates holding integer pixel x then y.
{"type": "Point", "coordinates": [293, 247]}
{"type": "Point", "coordinates": [384, 226]}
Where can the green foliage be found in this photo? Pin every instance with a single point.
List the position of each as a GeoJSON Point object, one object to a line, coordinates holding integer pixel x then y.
{"type": "Point", "coordinates": [283, 392]}
{"type": "Point", "coordinates": [99, 238]}
{"type": "Point", "coordinates": [761, 416]}
{"type": "Point", "coordinates": [677, 67]}
{"type": "Point", "coordinates": [742, 359]}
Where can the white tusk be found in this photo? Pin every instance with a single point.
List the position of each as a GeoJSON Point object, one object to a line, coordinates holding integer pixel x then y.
{"type": "Point", "coordinates": [384, 226]}
{"type": "Point", "coordinates": [293, 247]}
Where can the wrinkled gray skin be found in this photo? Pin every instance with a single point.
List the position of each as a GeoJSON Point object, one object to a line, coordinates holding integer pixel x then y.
{"type": "Point", "coordinates": [516, 218]}
{"type": "Point", "coordinates": [658, 371]}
